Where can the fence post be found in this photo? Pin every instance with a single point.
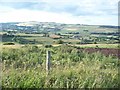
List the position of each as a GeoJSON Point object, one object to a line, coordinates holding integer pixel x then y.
{"type": "Point", "coordinates": [48, 62]}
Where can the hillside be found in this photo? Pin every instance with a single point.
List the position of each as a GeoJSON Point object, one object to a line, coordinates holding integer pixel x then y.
{"type": "Point", "coordinates": [34, 26]}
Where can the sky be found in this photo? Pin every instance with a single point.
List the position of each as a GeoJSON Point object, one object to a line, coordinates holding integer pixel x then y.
{"type": "Point", "coordinates": [92, 12]}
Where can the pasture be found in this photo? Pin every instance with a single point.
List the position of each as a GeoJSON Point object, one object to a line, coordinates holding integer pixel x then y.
{"type": "Point", "coordinates": [81, 46]}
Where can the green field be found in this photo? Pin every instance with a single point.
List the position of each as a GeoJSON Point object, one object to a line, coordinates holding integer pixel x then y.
{"type": "Point", "coordinates": [70, 68]}
{"type": "Point", "coordinates": [23, 38]}
{"type": "Point", "coordinates": [94, 28]}
{"type": "Point", "coordinates": [81, 46]}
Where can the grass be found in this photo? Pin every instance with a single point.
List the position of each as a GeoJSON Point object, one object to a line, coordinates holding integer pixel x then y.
{"type": "Point", "coordinates": [32, 35]}
{"type": "Point", "coordinates": [79, 76]}
{"type": "Point", "coordinates": [99, 45]}
{"type": "Point", "coordinates": [91, 29]}
{"type": "Point", "coordinates": [38, 39]}
{"type": "Point", "coordinates": [82, 46]}
{"type": "Point", "coordinates": [25, 68]}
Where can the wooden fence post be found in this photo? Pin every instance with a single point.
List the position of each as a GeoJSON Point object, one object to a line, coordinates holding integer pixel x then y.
{"type": "Point", "coordinates": [48, 62]}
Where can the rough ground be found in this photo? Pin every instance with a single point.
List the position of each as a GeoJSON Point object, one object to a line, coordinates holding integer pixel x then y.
{"type": "Point", "coordinates": [105, 51]}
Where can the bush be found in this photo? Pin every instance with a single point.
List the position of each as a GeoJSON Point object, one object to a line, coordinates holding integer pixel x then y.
{"type": "Point", "coordinates": [78, 43]}
{"type": "Point", "coordinates": [60, 42]}
{"type": "Point", "coordinates": [95, 42]}
{"type": "Point", "coordinates": [9, 43]}
{"type": "Point", "coordinates": [48, 46]}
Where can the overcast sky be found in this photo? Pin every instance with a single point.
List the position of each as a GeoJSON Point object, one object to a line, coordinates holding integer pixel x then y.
{"type": "Point", "coordinates": [94, 12]}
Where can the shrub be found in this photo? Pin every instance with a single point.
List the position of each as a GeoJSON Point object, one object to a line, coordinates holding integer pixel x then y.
{"type": "Point", "coordinates": [9, 43]}
{"type": "Point", "coordinates": [78, 43]}
{"type": "Point", "coordinates": [60, 42]}
{"type": "Point", "coordinates": [48, 46]}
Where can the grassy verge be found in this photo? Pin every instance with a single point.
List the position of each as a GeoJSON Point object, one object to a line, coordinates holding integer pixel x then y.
{"type": "Point", "coordinates": [70, 68]}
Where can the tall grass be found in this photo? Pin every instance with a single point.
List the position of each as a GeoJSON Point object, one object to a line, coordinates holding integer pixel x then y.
{"type": "Point", "coordinates": [70, 68]}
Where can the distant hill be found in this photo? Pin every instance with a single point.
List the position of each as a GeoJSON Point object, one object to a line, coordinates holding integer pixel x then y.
{"type": "Point", "coordinates": [104, 26]}
{"type": "Point", "coordinates": [34, 26]}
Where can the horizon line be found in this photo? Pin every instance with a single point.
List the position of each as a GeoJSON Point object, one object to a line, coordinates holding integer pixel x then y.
{"type": "Point", "coordinates": [59, 23]}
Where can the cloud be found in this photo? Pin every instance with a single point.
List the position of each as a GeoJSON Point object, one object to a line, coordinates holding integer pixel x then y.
{"type": "Point", "coordinates": [76, 7]}
{"type": "Point", "coordinates": [43, 16]}
{"type": "Point", "coordinates": [28, 15]}
{"type": "Point", "coordinates": [67, 11]}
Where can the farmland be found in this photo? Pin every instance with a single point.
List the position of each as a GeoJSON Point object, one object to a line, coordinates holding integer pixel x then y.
{"type": "Point", "coordinates": [82, 56]}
